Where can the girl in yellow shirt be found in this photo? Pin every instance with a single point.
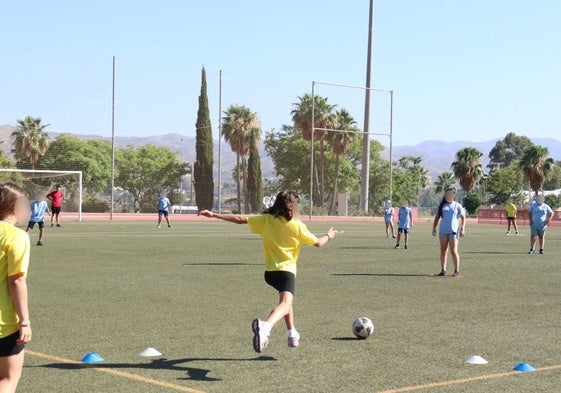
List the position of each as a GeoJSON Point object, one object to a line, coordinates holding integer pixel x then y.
{"type": "Point", "coordinates": [15, 329]}
{"type": "Point", "coordinates": [283, 235]}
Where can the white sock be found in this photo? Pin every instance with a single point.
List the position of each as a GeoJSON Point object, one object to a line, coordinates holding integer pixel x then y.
{"type": "Point", "coordinates": [292, 333]}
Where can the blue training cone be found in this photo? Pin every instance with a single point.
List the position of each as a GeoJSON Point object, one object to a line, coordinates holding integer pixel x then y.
{"type": "Point", "coordinates": [92, 357]}
{"type": "Point", "coordinates": [524, 367]}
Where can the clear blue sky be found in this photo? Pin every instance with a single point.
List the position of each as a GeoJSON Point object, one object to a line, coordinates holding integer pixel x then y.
{"type": "Point", "coordinates": [461, 70]}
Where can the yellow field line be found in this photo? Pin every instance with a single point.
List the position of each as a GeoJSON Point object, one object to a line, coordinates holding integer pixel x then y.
{"type": "Point", "coordinates": [464, 380]}
{"type": "Point", "coordinates": [111, 371]}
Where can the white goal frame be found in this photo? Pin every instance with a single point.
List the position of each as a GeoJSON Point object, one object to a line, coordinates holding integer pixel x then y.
{"type": "Point", "coordinates": [79, 173]}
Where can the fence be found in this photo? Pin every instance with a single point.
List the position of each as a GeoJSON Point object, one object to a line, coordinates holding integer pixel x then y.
{"type": "Point", "coordinates": [498, 216]}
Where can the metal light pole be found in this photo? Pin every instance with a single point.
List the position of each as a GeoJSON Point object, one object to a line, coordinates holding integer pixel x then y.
{"type": "Point", "coordinates": [112, 145]}
{"type": "Point", "coordinates": [181, 178]}
{"type": "Point", "coordinates": [364, 181]}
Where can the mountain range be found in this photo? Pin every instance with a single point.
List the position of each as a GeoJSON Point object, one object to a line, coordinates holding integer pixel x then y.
{"type": "Point", "coordinates": [437, 155]}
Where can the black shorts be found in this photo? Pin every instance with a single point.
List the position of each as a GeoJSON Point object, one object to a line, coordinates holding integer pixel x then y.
{"type": "Point", "coordinates": [8, 345]}
{"type": "Point", "coordinates": [56, 209]}
{"type": "Point", "coordinates": [511, 219]}
{"type": "Point", "coordinates": [280, 280]}
{"type": "Point", "coordinates": [164, 213]}
{"type": "Point", "coordinates": [31, 224]}
{"type": "Point", "coordinates": [403, 230]}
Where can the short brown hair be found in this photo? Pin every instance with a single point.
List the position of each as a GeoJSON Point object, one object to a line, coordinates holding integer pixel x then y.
{"type": "Point", "coordinates": [9, 194]}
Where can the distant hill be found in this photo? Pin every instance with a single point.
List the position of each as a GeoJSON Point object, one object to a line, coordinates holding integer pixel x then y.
{"type": "Point", "coordinates": [437, 156]}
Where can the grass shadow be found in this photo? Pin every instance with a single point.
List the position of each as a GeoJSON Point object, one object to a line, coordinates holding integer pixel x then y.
{"type": "Point", "coordinates": [364, 248]}
{"type": "Point", "coordinates": [346, 339]}
{"type": "Point", "coordinates": [193, 373]}
{"type": "Point", "coordinates": [381, 274]}
{"type": "Point", "coordinates": [223, 264]}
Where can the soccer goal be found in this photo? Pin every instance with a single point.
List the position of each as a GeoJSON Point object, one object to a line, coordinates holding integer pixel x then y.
{"type": "Point", "coordinates": [38, 183]}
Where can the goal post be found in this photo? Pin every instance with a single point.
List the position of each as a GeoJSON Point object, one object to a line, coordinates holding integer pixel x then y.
{"type": "Point", "coordinates": [28, 175]}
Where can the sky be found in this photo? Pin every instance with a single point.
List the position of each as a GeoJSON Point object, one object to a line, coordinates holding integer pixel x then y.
{"type": "Point", "coordinates": [470, 70]}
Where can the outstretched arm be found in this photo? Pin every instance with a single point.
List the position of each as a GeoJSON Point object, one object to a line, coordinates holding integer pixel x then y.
{"type": "Point", "coordinates": [235, 218]}
{"type": "Point", "coordinates": [322, 240]}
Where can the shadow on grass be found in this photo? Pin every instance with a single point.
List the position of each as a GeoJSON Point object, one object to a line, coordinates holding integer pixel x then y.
{"type": "Point", "coordinates": [365, 248]}
{"type": "Point", "coordinates": [193, 373]}
{"type": "Point", "coordinates": [346, 339]}
{"type": "Point", "coordinates": [381, 274]}
{"type": "Point", "coordinates": [223, 264]}
{"type": "Point", "coordinates": [492, 252]}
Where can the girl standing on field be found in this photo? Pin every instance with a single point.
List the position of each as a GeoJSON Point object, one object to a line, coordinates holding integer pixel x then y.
{"type": "Point", "coordinates": [15, 329]}
{"type": "Point", "coordinates": [283, 235]}
{"type": "Point", "coordinates": [388, 218]}
{"type": "Point", "coordinates": [452, 227]}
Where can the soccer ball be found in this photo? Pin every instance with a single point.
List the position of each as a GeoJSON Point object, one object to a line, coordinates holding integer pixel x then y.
{"type": "Point", "coordinates": [363, 327]}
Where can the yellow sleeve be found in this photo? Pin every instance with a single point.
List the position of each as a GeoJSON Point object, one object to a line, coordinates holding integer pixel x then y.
{"type": "Point", "coordinates": [256, 223]}
{"type": "Point", "coordinates": [306, 236]}
{"type": "Point", "coordinates": [17, 253]}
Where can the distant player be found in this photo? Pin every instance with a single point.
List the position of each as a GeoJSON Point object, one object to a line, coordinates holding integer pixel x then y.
{"type": "Point", "coordinates": [540, 215]}
{"type": "Point", "coordinates": [511, 211]}
{"type": "Point", "coordinates": [405, 221]}
{"type": "Point", "coordinates": [452, 227]}
{"type": "Point", "coordinates": [56, 198]}
{"type": "Point", "coordinates": [283, 235]}
{"type": "Point", "coordinates": [388, 218]}
{"type": "Point", "coordinates": [163, 210]}
{"type": "Point", "coordinates": [38, 210]}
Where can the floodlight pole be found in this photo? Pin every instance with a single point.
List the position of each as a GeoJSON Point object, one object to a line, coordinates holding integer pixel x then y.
{"type": "Point", "coordinates": [365, 173]}
{"type": "Point", "coordinates": [312, 151]}
{"type": "Point", "coordinates": [220, 142]}
{"type": "Point", "coordinates": [391, 145]}
{"type": "Point", "coordinates": [112, 145]}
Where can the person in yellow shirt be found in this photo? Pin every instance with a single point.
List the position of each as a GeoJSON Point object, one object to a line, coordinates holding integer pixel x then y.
{"type": "Point", "coordinates": [15, 328]}
{"type": "Point", "coordinates": [511, 210]}
{"type": "Point", "coordinates": [282, 235]}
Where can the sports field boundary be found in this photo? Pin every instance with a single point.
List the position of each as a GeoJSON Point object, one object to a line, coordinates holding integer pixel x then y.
{"type": "Point", "coordinates": [122, 374]}
{"type": "Point", "coordinates": [465, 380]}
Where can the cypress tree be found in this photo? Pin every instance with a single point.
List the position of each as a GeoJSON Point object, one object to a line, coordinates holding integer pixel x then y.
{"type": "Point", "coordinates": [202, 170]}
{"type": "Point", "coordinates": [254, 177]}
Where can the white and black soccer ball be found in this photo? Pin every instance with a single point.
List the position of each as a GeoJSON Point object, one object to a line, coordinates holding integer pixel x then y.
{"type": "Point", "coordinates": [363, 327]}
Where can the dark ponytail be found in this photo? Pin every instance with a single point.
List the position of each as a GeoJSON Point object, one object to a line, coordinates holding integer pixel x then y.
{"type": "Point", "coordinates": [284, 205]}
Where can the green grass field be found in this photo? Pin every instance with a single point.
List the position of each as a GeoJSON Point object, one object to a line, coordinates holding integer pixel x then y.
{"type": "Point", "coordinates": [192, 291]}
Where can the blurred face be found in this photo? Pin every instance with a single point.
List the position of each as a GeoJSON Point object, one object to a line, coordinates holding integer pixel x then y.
{"type": "Point", "coordinates": [21, 210]}
{"type": "Point", "coordinates": [449, 196]}
{"type": "Point", "coordinates": [540, 199]}
{"type": "Point", "coordinates": [403, 203]}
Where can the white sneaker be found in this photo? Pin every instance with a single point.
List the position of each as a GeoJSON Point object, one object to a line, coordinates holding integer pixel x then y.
{"type": "Point", "coordinates": [260, 335]}
{"type": "Point", "coordinates": [159, 226]}
{"type": "Point", "coordinates": [293, 340]}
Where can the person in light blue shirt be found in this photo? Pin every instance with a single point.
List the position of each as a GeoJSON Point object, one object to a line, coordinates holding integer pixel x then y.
{"type": "Point", "coordinates": [388, 218]}
{"type": "Point", "coordinates": [163, 210]}
{"type": "Point", "coordinates": [540, 215]}
{"type": "Point", "coordinates": [452, 227]}
{"type": "Point", "coordinates": [404, 222]}
{"type": "Point", "coordinates": [38, 210]}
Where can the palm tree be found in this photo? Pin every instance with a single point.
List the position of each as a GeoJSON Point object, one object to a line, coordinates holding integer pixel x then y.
{"type": "Point", "coordinates": [445, 180]}
{"type": "Point", "coordinates": [29, 140]}
{"type": "Point", "coordinates": [467, 167]}
{"type": "Point", "coordinates": [341, 139]}
{"type": "Point", "coordinates": [239, 124]}
{"type": "Point", "coordinates": [535, 165]}
{"type": "Point", "coordinates": [323, 116]}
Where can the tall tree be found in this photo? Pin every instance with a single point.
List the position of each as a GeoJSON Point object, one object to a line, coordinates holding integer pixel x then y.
{"type": "Point", "coordinates": [29, 141]}
{"type": "Point", "coordinates": [507, 151]}
{"type": "Point", "coordinates": [254, 176]}
{"type": "Point", "coordinates": [202, 169]}
{"type": "Point", "coordinates": [323, 116]}
{"type": "Point", "coordinates": [504, 184]}
{"type": "Point", "coordinates": [146, 172]}
{"type": "Point", "coordinates": [535, 165]}
{"type": "Point", "coordinates": [345, 135]}
{"type": "Point", "coordinates": [238, 126]}
{"type": "Point", "coordinates": [444, 180]}
{"type": "Point", "coordinates": [467, 167]}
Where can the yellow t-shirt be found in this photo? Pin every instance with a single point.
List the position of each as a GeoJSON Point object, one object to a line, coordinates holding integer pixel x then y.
{"type": "Point", "coordinates": [510, 210]}
{"type": "Point", "coordinates": [282, 240]}
{"type": "Point", "coordinates": [14, 260]}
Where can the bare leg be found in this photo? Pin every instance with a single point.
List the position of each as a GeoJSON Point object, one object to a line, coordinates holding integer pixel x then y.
{"type": "Point", "coordinates": [398, 238]}
{"type": "Point", "coordinates": [57, 219]}
{"type": "Point", "coordinates": [542, 242]}
{"type": "Point", "coordinates": [455, 255]}
{"type": "Point", "coordinates": [167, 220]}
{"type": "Point", "coordinates": [443, 252]}
{"type": "Point", "coordinates": [393, 230]}
{"type": "Point", "coordinates": [283, 310]}
{"type": "Point", "coordinates": [533, 242]}
{"type": "Point", "coordinates": [159, 219]}
{"type": "Point", "coordinates": [41, 231]}
{"type": "Point", "coordinates": [10, 372]}
{"type": "Point", "coordinates": [406, 238]}
{"type": "Point", "coordinates": [515, 226]}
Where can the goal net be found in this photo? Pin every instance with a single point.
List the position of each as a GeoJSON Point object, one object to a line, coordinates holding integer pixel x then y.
{"type": "Point", "coordinates": [38, 183]}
